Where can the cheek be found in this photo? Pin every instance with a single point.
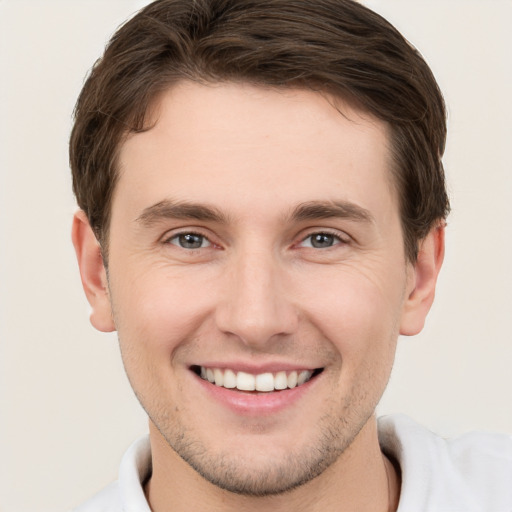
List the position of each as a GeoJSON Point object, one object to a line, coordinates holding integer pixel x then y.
{"type": "Point", "coordinates": [157, 311]}
{"type": "Point", "coordinates": [362, 325]}
{"type": "Point", "coordinates": [358, 310]}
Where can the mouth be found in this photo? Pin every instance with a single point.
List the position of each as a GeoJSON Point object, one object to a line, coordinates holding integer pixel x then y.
{"type": "Point", "coordinates": [262, 382]}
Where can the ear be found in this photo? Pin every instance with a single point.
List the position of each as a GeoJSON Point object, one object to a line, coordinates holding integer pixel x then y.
{"type": "Point", "coordinates": [92, 272]}
{"type": "Point", "coordinates": [422, 281]}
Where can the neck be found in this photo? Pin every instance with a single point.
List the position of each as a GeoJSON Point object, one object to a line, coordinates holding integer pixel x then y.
{"type": "Point", "coordinates": [362, 479]}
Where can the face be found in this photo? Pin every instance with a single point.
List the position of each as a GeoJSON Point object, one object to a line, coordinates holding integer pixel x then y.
{"type": "Point", "coordinates": [255, 241]}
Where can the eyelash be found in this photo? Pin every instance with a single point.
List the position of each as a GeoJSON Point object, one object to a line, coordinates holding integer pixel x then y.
{"type": "Point", "coordinates": [337, 239]}
{"type": "Point", "coordinates": [177, 236]}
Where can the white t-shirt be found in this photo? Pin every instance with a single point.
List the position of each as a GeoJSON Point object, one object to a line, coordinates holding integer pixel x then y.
{"type": "Point", "coordinates": [470, 474]}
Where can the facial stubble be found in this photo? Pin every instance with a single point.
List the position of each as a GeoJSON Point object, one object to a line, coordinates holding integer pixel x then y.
{"type": "Point", "coordinates": [267, 476]}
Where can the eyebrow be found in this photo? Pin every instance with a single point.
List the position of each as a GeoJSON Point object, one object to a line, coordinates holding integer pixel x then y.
{"type": "Point", "coordinates": [168, 209]}
{"type": "Point", "coordinates": [312, 210]}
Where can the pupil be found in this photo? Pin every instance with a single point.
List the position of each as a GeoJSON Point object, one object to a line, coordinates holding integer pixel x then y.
{"type": "Point", "coordinates": [191, 241]}
{"type": "Point", "coordinates": [322, 240]}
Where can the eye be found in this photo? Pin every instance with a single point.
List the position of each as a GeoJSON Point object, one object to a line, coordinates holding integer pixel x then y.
{"type": "Point", "coordinates": [190, 241]}
{"type": "Point", "coordinates": [321, 240]}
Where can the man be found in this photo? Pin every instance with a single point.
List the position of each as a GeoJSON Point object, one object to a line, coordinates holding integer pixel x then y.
{"type": "Point", "coordinates": [262, 214]}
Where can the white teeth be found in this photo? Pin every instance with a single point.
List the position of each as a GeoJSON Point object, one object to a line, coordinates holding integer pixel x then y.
{"type": "Point", "coordinates": [229, 379]}
{"type": "Point", "coordinates": [245, 381]}
{"type": "Point", "coordinates": [292, 379]}
{"type": "Point", "coordinates": [219, 377]}
{"type": "Point", "coordinates": [263, 382]}
{"type": "Point", "coordinates": [303, 377]}
{"type": "Point", "coordinates": [280, 380]}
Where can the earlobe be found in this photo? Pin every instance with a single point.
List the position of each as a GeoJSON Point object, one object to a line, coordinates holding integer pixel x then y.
{"type": "Point", "coordinates": [422, 281]}
{"type": "Point", "coordinates": [92, 272]}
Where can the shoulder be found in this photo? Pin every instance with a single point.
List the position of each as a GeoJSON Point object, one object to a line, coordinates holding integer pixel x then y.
{"type": "Point", "coordinates": [470, 473]}
{"type": "Point", "coordinates": [107, 500]}
{"type": "Point", "coordinates": [127, 493]}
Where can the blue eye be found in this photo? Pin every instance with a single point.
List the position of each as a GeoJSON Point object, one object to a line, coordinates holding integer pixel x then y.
{"type": "Point", "coordinates": [190, 241]}
{"type": "Point", "coordinates": [321, 240]}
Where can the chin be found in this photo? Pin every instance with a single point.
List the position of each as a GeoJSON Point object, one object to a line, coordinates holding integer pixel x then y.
{"type": "Point", "coordinates": [265, 478]}
{"type": "Point", "coordinates": [267, 469]}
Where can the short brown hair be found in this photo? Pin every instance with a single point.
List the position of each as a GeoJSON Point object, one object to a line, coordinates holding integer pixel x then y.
{"type": "Point", "coordinates": [334, 46]}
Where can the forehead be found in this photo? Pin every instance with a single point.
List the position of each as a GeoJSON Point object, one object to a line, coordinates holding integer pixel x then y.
{"type": "Point", "coordinates": [263, 145]}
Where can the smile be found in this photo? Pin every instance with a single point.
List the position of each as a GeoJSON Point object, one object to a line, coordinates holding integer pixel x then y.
{"type": "Point", "coordinates": [264, 382]}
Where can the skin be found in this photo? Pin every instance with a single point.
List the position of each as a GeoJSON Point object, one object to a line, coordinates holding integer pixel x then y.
{"type": "Point", "coordinates": [257, 292]}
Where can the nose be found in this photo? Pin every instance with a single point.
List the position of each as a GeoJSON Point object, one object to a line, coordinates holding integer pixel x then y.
{"type": "Point", "coordinates": [255, 305]}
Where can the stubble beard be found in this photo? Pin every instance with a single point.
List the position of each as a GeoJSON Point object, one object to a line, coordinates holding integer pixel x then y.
{"type": "Point", "coordinates": [265, 476]}
{"type": "Point", "coordinates": [239, 474]}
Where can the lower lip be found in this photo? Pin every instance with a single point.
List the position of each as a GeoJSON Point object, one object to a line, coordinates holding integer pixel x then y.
{"type": "Point", "coordinates": [254, 403]}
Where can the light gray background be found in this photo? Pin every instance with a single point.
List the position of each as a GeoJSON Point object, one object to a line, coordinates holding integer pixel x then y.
{"type": "Point", "coordinates": [66, 410]}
